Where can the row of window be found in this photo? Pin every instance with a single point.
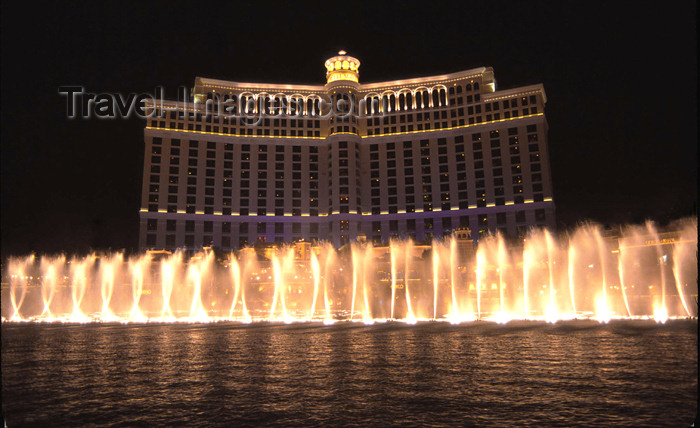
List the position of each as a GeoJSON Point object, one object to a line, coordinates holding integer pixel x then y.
{"type": "Point", "coordinates": [376, 226]}
{"type": "Point", "coordinates": [271, 127]}
{"type": "Point", "coordinates": [276, 231]}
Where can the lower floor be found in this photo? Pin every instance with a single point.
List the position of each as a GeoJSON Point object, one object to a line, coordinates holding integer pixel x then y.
{"type": "Point", "coordinates": [192, 231]}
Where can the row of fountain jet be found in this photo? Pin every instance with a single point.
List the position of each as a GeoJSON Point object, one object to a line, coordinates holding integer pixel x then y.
{"type": "Point", "coordinates": [642, 273]}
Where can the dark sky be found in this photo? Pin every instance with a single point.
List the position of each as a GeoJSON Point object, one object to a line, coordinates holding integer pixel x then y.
{"type": "Point", "coordinates": [621, 86]}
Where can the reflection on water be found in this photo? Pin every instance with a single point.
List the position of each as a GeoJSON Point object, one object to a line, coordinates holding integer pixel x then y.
{"type": "Point", "coordinates": [573, 373]}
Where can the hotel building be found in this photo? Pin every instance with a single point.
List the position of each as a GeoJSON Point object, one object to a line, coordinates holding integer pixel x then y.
{"type": "Point", "coordinates": [238, 163]}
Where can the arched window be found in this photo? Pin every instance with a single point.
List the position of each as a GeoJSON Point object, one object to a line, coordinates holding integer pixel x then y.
{"type": "Point", "coordinates": [247, 103]}
{"type": "Point", "coordinates": [265, 104]}
{"type": "Point", "coordinates": [386, 107]}
{"type": "Point", "coordinates": [476, 86]}
{"type": "Point", "coordinates": [296, 106]}
{"type": "Point", "coordinates": [422, 98]}
{"type": "Point", "coordinates": [375, 105]}
{"type": "Point", "coordinates": [230, 105]}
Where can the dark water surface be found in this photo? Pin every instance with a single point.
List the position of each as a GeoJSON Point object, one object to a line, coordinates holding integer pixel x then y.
{"type": "Point", "coordinates": [626, 373]}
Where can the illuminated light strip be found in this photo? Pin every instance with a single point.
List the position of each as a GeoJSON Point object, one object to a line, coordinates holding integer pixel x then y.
{"type": "Point", "coordinates": [511, 96]}
{"type": "Point", "coordinates": [491, 205]}
{"type": "Point", "coordinates": [345, 87]}
{"type": "Point", "coordinates": [471, 207]}
{"type": "Point", "coordinates": [235, 214]}
{"type": "Point", "coordinates": [143, 210]}
{"type": "Point", "coordinates": [450, 128]}
{"type": "Point", "coordinates": [175, 107]}
{"type": "Point", "coordinates": [162, 211]}
{"type": "Point", "coordinates": [217, 213]}
{"type": "Point", "coordinates": [510, 203]}
{"type": "Point", "coordinates": [233, 135]}
{"type": "Point", "coordinates": [454, 127]}
{"type": "Point", "coordinates": [454, 209]}
{"type": "Point", "coordinates": [547, 199]}
{"type": "Point", "coordinates": [529, 201]}
{"type": "Point", "coordinates": [264, 90]}
{"type": "Point", "coordinates": [181, 212]}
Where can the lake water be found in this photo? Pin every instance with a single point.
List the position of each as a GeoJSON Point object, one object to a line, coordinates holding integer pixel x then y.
{"type": "Point", "coordinates": [575, 373]}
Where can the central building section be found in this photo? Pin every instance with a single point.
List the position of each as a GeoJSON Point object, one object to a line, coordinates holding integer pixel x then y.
{"type": "Point", "coordinates": [240, 163]}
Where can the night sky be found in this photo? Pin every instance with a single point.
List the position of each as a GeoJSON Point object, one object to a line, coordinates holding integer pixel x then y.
{"type": "Point", "coordinates": [621, 87]}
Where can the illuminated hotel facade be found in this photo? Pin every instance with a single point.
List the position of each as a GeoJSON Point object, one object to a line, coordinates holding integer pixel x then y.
{"type": "Point", "coordinates": [416, 158]}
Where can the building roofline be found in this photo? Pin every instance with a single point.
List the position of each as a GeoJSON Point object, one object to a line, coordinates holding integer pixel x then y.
{"type": "Point", "coordinates": [229, 84]}
{"type": "Point", "coordinates": [507, 93]}
{"type": "Point", "coordinates": [363, 87]}
{"type": "Point", "coordinates": [427, 79]}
